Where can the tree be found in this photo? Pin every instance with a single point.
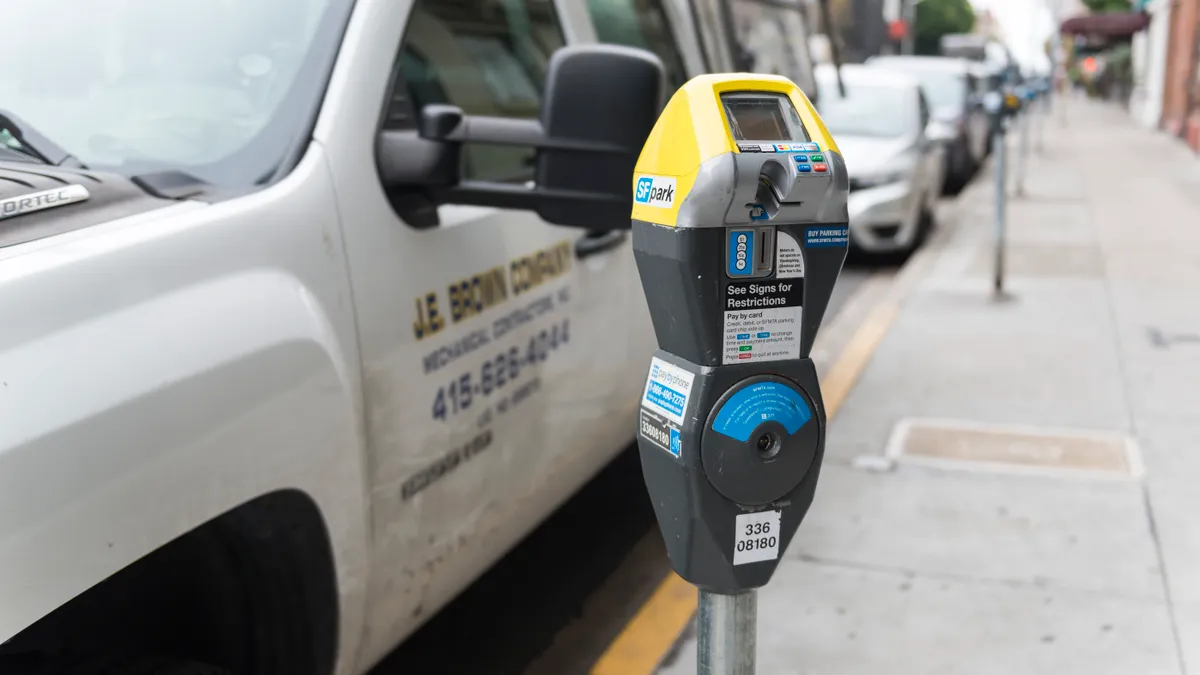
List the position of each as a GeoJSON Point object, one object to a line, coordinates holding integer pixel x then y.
{"type": "Point", "coordinates": [1108, 5]}
{"type": "Point", "coordinates": [936, 18]}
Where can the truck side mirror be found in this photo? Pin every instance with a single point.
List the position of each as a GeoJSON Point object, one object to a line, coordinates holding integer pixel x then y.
{"type": "Point", "coordinates": [600, 104]}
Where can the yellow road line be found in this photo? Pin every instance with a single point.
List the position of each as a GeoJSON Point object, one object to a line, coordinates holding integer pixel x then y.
{"type": "Point", "coordinates": [647, 638]}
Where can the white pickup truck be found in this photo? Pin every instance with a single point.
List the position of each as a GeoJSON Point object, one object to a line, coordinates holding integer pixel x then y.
{"type": "Point", "coordinates": [290, 351]}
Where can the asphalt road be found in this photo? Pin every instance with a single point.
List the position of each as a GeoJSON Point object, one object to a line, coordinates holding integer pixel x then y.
{"type": "Point", "coordinates": [554, 603]}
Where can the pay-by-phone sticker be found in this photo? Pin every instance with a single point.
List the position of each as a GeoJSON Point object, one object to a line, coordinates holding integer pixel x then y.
{"type": "Point", "coordinates": [756, 537]}
{"type": "Point", "coordinates": [664, 402]}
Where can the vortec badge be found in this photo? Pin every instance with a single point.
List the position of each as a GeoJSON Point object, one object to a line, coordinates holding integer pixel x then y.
{"type": "Point", "coordinates": [40, 201]}
{"type": "Point", "coordinates": [657, 191]}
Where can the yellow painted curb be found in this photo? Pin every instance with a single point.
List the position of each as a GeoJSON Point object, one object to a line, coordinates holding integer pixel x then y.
{"type": "Point", "coordinates": [844, 372]}
{"type": "Point", "coordinates": [644, 641]}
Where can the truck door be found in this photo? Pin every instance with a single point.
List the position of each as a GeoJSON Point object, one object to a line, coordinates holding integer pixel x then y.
{"type": "Point", "coordinates": [666, 29]}
{"type": "Point", "coordinates": [489, 338]}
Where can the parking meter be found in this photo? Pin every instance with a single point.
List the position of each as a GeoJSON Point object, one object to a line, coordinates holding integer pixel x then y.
{"type": "Point", "coordinates": [1001, 106]}
{"type": "Point", "coordinates": [739, 231]}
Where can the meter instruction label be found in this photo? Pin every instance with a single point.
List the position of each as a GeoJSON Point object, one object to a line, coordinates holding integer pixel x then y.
{"type": "Point", "coordinates": [756, 537]}
{"type": "Point", "coordinates": [761, 402]}
{"type": "Point", "coordinates": [789, 259]}
{"type": "Point", "coordinates": [661, 431]}
{"type": "Point", "coordinates": [667, 390]}
{"type": "Point", "coordinates": [762, 320]}
{"type": "Point", "coordinates": [657, 191]}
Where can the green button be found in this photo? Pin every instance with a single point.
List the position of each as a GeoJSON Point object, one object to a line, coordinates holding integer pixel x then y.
{"type": "Point", "coordinates": [744, 348]}
{"type": "Point", "coordinates": [817, 158]}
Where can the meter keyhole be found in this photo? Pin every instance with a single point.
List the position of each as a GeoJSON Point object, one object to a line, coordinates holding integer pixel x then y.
{"type": "Point", "coordinates": [768, 445]}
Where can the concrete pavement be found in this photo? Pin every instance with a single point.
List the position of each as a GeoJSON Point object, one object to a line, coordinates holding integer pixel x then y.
{"type": "Point", "coordinates": [1011, 486]}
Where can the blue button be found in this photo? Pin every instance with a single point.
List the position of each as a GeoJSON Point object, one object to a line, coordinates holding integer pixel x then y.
{"type": "Point", "coordinates": [763, 335]}
{"type": "Point", "coordinates": [804, 168]}
{"type": "Point", "coordinates": [800, 158]}
{"type": "Point", "coordinates": [743, 336]}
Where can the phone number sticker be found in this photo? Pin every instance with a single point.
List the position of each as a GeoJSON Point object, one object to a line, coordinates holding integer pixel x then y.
{"type": "Point", "coordinates": [756, 537]}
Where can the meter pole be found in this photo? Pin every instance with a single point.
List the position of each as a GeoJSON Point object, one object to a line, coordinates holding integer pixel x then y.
{"type": "Point", "coordinates": [1001, 198]}
{"type": "Point", "coordinates": [726, 625]}
{"type": "Point", "coordinates": [1026, 119]}
{"type": "Point", "coordinates": [1043, 109]}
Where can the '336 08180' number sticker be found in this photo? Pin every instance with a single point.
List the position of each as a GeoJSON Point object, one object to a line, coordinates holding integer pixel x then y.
{"type": "Point", "coordinates": [756, 537]}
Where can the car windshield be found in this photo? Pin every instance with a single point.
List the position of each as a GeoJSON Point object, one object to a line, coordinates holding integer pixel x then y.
{"type": "Point", "coordinates": [217, 88]}
{"type": "Point", "coordinates": [866, 110]}
{"type": "Point", "coordinates": [944, 90]}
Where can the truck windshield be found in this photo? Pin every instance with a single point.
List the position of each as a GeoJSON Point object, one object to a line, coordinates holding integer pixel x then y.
{"type": "Point", "coordinates": [221, 89]}
{"type": "Point", "coordinates": [776, 37]}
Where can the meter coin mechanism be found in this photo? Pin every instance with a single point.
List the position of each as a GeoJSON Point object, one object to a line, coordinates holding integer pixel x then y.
{"type": "Point", "coordinates": [739, 231]}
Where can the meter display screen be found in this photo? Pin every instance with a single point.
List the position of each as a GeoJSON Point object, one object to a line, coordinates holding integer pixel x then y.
{"type": "Point", "coordinates": [762, 117]}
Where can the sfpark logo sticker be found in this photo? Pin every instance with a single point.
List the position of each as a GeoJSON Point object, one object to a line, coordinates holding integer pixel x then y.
{"type": "Point", "coordinates": [656, 191]}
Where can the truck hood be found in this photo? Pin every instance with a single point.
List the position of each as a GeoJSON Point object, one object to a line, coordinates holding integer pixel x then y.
{"type": "Point", "coordinates": [39, 201]}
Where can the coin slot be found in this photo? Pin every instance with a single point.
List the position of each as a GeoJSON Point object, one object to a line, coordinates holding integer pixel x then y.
{"type": "Point", "coordinates": [765, 249]}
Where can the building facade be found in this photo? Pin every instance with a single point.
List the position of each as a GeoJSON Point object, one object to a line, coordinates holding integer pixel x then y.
{"type": "Point", "coordinates": [1181, 82]}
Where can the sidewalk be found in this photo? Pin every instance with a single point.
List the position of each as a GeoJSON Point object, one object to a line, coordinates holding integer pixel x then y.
{"type": "Point", "coordinates": [1036, 543]}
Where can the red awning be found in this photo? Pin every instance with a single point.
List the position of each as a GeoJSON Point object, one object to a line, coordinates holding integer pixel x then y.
{"type": "Point", "coordinates": [1110, 24]}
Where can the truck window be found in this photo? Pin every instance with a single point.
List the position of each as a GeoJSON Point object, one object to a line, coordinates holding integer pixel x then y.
{"type": "Point", "coordinates": [642, 24]}
{"type": "Point", "coordinates": [776, 39]}
{"type": "Point", "coordinates": [488, 57]}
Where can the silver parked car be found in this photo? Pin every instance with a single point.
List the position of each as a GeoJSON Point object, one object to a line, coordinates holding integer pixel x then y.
{"type": "Point", "coordinates": [895, 169]}
{"type": "Point", "coordinates": [954, 89]}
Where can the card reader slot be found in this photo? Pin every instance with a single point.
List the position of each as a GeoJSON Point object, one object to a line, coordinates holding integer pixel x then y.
{"type": "Point", "coordinates": [767, 196]}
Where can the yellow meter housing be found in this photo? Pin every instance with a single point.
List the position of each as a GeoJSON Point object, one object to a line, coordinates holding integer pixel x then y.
{"type": "Point", "coordinates": [739, 181]}
{"type": "Point", "coordinates": [721, 132]}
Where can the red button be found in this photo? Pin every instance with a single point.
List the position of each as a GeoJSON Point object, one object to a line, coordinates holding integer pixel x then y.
{"type": "Point", "coordinates": [820, 167]}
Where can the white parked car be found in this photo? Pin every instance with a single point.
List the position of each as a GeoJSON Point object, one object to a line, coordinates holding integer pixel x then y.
{"type": "Point", "coordinates": [895, 169]}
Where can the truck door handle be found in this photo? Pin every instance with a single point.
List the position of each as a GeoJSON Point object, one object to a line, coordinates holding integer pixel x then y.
{"type": "Point", "coordinates": [599, 242]}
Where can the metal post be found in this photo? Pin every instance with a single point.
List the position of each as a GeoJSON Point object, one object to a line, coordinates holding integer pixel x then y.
{"type": "Point", "coordinates": [726, 627]}
{"type": "Point", "coordinates": [1023, 154]}
{"type": "Point", "coordinates": [1043, 108]}
{"type": "Point", "coordinates": [909, 12]}
{"type": "Point", "coordinates": [1001, 197]}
